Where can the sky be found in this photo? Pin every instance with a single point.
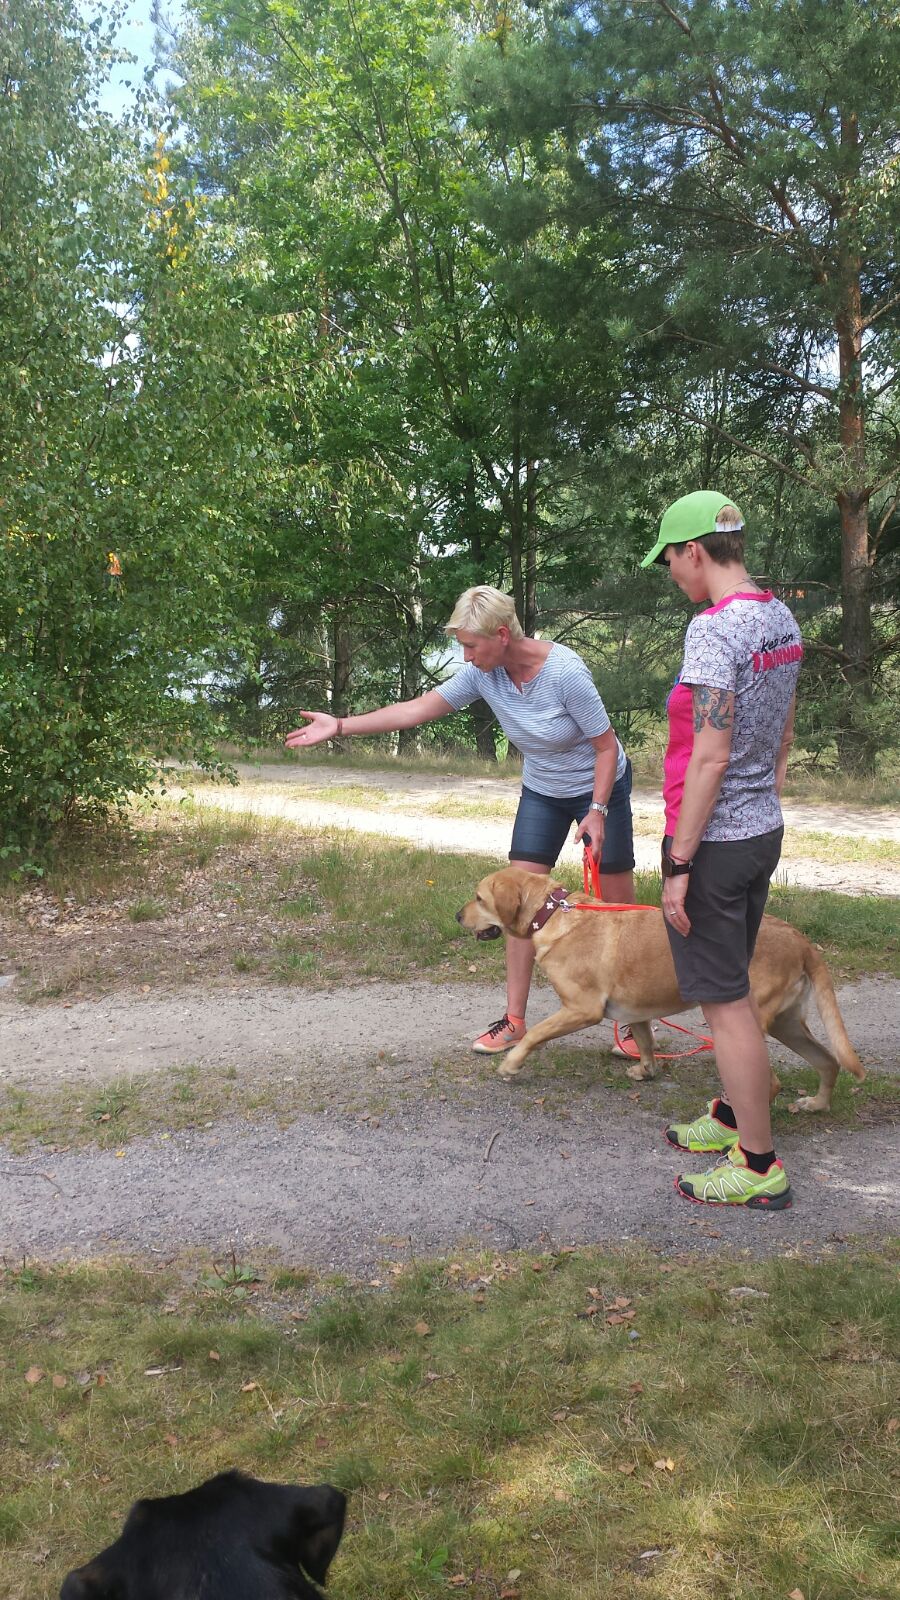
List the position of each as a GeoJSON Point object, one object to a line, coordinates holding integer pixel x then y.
{"type": "Point", "coordinates": [135, 36]}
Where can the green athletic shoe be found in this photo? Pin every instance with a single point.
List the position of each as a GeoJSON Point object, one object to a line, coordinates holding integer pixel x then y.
{"type": "Point", "coordinates": [731, 1182]}
{"type": "Point", "coordinates": [704, 1134]}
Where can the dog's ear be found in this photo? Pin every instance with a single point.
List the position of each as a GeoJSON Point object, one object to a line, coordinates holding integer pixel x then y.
{"type": "Point", "coordinates": [507, 897]}
{"type": "Point", "coordinates": [91, 1583]}
{"type": "Point", "coordinates": [317, 1525]}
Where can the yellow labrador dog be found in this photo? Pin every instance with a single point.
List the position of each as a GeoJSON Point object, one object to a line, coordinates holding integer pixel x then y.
{"type": "Point", "coordinates": [618, 965]}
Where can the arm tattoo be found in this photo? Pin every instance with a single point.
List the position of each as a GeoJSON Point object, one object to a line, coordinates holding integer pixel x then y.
{"type": "Point", "coordinates": [715, 706]}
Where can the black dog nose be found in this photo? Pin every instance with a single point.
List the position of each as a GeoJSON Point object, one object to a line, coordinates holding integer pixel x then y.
{"type": "Point", "coordinates": [459, 916]}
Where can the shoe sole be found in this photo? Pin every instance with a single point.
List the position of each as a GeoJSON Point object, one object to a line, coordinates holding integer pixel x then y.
{"type": "Point", "coordinates": [762, 1202]}
{"type": "Point", "coordinates": [495, 1049]}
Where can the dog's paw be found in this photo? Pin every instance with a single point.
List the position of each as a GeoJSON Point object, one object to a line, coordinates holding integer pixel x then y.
{"type": "Point", "coordinates": [810, 1102]}
{"type": "Point", "coordinates": [508, 1069]}
{"type": "Point", "coordinates": [639, 1073]}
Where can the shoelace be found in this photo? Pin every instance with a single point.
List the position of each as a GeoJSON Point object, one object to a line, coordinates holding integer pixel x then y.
{"type": "Point", "coordinates": [499, 1027]}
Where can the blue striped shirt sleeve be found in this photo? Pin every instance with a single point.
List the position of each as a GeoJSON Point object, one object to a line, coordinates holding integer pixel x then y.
{"type": "Point", "coordinates": [463, 688]}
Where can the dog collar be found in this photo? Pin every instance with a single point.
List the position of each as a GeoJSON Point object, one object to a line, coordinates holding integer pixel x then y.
{"type": "Point", "coordinates": [555, 899]}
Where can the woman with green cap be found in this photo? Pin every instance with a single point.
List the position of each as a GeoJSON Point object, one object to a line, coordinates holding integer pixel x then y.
{"type": "Point", "coordinates": [731, 716]}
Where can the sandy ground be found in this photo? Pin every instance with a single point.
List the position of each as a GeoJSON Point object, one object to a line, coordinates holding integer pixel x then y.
{"type": "Point", "coordinates": [478, 835]}
{"type": "Point", "coordinates": [340, 1189]}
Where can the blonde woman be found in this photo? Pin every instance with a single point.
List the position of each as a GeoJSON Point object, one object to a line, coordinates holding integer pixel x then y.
{"type": "Point", "coordinates": [575, 769]}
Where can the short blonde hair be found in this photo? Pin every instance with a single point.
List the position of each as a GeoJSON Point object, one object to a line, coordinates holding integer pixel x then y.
{"type": "Point", "coordinates": [485, 610]}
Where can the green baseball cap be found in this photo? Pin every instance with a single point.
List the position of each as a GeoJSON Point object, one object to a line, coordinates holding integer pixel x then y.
{"type": "Point", "coordinates": [690, 518]}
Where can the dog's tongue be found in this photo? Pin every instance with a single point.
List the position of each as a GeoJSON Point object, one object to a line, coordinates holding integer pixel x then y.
{"type": "Point", "coordinates": [488, 933]}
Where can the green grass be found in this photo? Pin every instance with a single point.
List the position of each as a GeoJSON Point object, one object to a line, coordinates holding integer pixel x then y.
{"type": "Point", "coordinates": [808, 843]}
{"type": "Point", "coordinates": [750, 1442]}
{"type": "Point", "coordinates": [240, 896]}
{"type": "Point", "coordinates": [858, 933]}
{"type": "Point", "coordinates": [146, 911]}
{"type": "Point", "coordinates": [837, 848]}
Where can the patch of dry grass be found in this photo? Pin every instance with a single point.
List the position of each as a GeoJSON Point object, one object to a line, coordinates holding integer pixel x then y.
{"type": "Point", "coordinates": [190, 894]}
{"type": "Point", "coordinates": [580, 1425]}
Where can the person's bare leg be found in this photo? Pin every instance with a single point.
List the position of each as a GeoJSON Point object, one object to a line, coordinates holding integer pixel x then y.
{"type": "Point", "coordinates": [743, 1063]}
{"type": "Point", "coordinates": [752, 998]}
{"type": "Point", "coordinates": [520, 958]}
{"type": "Point", "coordinates": [617, 887]}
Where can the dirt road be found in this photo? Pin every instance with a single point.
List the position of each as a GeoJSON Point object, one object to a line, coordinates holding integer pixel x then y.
{"type": "Point", "coordinates": [345, 1187]}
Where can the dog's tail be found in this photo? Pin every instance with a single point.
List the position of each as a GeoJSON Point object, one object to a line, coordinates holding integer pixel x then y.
{"type": "Point", "coordinates": [826, 1000]}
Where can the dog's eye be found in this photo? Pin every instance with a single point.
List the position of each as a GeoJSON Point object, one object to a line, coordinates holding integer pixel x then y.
{"type": "Point", "coordinates": [478, 898]}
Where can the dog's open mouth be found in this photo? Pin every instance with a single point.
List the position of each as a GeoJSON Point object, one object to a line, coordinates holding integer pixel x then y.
{"type": "Point", "coordinates": [488, 933]}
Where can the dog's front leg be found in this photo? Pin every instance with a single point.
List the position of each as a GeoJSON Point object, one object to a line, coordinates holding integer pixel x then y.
{"type": "Point", "coordinates": [642, 1033]}
{"type": "Point", "coordinates": [567, 1020]}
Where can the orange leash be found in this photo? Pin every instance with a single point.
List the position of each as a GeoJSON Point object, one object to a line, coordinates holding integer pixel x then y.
{"type": "Point", "coordinates": [591, 870]}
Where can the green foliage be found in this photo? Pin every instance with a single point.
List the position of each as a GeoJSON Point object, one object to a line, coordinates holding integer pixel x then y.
{"type": "Point", "coordinates": [126, 464]}
{"type": "Point", "coordinates": [748, 157]}
{"type": "Point", "coordinates": [387, 302]}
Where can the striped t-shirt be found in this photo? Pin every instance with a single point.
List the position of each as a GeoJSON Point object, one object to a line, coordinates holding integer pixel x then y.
{"type": "Point", "coordinates": [551, 719]}
{"type": "Point", "coordinates": [749, 644]}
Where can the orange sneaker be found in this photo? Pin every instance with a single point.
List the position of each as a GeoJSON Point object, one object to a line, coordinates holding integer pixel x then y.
{"type": "Point", "coordinates": [626, 1044]}
{"type": "Point", "coordinates": [500, 1036]}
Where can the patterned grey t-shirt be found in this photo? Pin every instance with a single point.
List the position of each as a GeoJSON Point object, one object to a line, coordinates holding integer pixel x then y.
{"type": "Point", "coordinates": [551, 719]}
{"type": "Point", "coordinates": [750, 645]}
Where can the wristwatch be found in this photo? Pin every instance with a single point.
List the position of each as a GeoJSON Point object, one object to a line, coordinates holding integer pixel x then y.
{"type": "Point", "coordinates": [672, 868]}
{"type": "Point", "coordinates": [597, 805]}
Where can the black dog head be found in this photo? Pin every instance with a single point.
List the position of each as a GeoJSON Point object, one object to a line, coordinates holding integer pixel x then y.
{"type": "Point", "coordinates": [232, 1538]}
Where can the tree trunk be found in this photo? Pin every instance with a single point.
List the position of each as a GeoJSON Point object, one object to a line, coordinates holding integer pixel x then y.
{"type": "Point", "coordinates": [517, 526]}
{"type": "Point", "coordinates": [529, 614]}
{"type": "Point", "coordinates": [485, 730]}
{"type": "Point", "coordinates": [481, 715]}
{"type": "Point", "coordinates": [340, 672]}
{"type": "Point", "coordinates": [854, 748]}
{"type": "Point", "coordinates": [409, 741]}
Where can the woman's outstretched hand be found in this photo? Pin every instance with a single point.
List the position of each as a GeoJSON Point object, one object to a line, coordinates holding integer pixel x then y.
{"type": "Point", "coordinates": [320, 726]}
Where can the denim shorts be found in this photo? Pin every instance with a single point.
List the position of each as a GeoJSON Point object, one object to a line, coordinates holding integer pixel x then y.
{"type": "Point", "coordinates": [727, 892]}
{"type": "Point", "coordinates": [543, 821]}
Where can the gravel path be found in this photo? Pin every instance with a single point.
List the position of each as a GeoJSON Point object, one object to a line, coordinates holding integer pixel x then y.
{"type": "Point", "coordinates": [454, 1155]}
{"type": "Point", "coordinates": [338, 1189]}
{"type": "Point", "coordinates": [478, 835]}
